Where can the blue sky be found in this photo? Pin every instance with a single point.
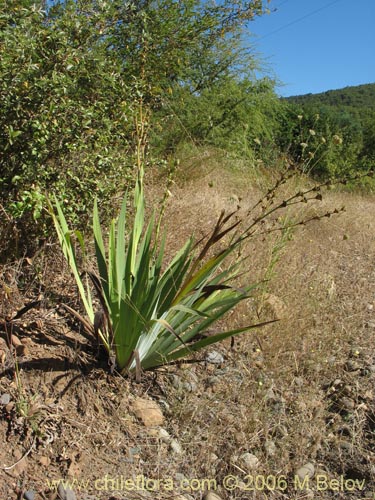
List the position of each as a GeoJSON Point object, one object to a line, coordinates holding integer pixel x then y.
{"type": "Point", "coordinates": [317, 45]}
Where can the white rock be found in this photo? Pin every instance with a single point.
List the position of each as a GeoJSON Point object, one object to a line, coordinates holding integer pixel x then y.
{"type": "Point", "coordinates": [250, 460]}
{"type": "Point", "coordinates": [215, 358]}
{"type": "Point", "coordinates": [307, 470]}
{"type": "Point", "coordinates": [164, 436]}
{"type": "Point", "coordinates": [270, 448]}
{"type": "Point", "coordinates": [211, 496]}
{"type": "Point", "coordinates": [176, 447]}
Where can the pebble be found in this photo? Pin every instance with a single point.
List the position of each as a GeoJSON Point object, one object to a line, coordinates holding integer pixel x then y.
{"type": "Point", "coordinates": [270, 448]}
{"type": "Point", "coordinates": [352, 366]}
{"type": "Point", "coordinates": [212, 381]}
{"type": "Point", "coordinates": [4, 399]}
{"type": "Point", "coordinates": [347, 403]}
{"type": "Point", "coordinates": [29, 495]}
{"type": "Point", "coordinates": [307, 470]}
{"type": "Point", "coordinates": [164, 436]}
{"type": "Point", "coordinates": [176, 447]}
{"type": "Point", "coordinates": [215, 358]}
{"type": "Point", "coordinates": [66, 494]}
{"type": "Point", "coordinates": [211, 496]}
{"type": "Point", "coordinates": [148, 411]}
{"type": "Point", "coordinates": [250, 460]}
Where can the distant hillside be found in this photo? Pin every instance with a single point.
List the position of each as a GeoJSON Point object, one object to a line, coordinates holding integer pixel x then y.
{"type": "Point", "coordinates": [360, 96]}
{"type": "Point", "coordinates": [346, 115]}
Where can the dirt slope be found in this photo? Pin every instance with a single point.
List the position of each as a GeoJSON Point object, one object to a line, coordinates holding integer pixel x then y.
{"type": "Point", "coordinates": [299, 392]}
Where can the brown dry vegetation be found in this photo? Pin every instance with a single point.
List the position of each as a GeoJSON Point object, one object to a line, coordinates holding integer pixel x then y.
{"type": "Point", "coordinates": [300, 390]}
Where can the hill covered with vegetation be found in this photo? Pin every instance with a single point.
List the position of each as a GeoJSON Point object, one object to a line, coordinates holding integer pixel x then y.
{"type": "Point", "coordinates": [359, 97]}
{"type": "Point", "coordinates": [350, 111]}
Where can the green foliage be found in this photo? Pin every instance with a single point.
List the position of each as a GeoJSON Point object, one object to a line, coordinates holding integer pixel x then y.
{"type": "Point", "coordinates": [71, 73]}
{"type": "Point", "coordinates": [63, 103]}
{"type": "Point", "coordinates": [237, 115]}
{"type": "Point", "coordinates": [348, 113]}
{"type": "Point", "coordinates": [359, 96]}
{"type": "Point", "coordinates": [155, 314]}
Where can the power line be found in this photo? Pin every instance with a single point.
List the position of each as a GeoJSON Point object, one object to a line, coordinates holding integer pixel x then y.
{"type": "Point", "coordinates": [299, 19]}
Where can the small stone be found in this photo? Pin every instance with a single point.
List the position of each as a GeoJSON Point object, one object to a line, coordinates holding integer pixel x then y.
{"type": "Point", "coordinates": [212, 381]}
{"type": "Point", "coordinates": [5, 399]}
{"type": "Point", "coordinates": [270, 448]}
{"type": "Point", "coordinates": [66, 494]}
{"type": "Point", "coordinates": [274, 307]}
{"type": "Point", "coordinates": [189, 386]}
{"type": "Point", "coordinates": [307, 470]}
{"type": "Point", "coordinates": [347, 403]}
{"type": "Point", "coordinates": [346, 445]}
{"type": "Point", "coordinates": [215, 358]}
{"type": "Point", "coordinates": [352, 366]}
{"type": "Point", "coordinates": [176, 381]}
{"type": "Point", "coordinates": [164, 436]}
{"type": "Point", "coordinates": [29, 495]}
{"type": "Point", "coordinates": [299, 381]}
{"type": "Point", "coordinates": [176, 447]}
{"type": "Point", "coordinates": [250, 460]}
{"type": "Point", "coordinates": [210, 495]}
{"type": "Point", "coordinates": [148, 411]}
{"type": "Point", "coordinates": [45, 461]}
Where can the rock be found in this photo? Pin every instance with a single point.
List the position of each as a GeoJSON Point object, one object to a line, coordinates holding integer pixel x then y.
{"type": "Point", "coordinates": [148, 411]}
{"type": "Point", "coordinates": [66, 494]}
{"type": "Point", "coordinates": [270, 448]}
{"type": "Point", "coordinates": [347, 404]}
{"type": "Point", "coordinates": [164, 436]}
{"type": "Point", "coordinates": [213, 380]}
{"type": "Point", "coordinates": [307, 470]}
{"type": "Point", "coordinates": [5, 399]}
{"type": "Point", "coordinates": [299, 381]}
{"type": "Point", "coordinates": [175, 447]}
{"type": "Point", "coordinates": [352, 366]}
{"type": "Point", "coordinates": [45, 461]}
{"type": "Point", "coordinates": [210, 495]}
{"type": "Point", "coordinates": [273, 307]}
{"type": "Point", "coordinates": [250, 460]}
{"type": "Point", "coordinates": [187, 383]}
{"type": "Point", "coordinates": [346, 445]}
{"type": "Point", "coordinates": [29, 495]}
{"type": "Point", "coordinates": [176, 381]}
{"type": "Point", "coordinates": [215, 358]}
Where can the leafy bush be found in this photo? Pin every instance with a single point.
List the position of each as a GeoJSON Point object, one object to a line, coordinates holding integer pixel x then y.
{"type": "Point", "coordinates": [64, 102]}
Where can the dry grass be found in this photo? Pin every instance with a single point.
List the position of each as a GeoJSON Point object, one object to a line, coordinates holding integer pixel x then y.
{"type": "Point", "coordinates": [300, 390]}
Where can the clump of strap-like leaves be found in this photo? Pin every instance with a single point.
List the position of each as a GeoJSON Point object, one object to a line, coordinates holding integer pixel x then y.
{"type": "Point", "coordinates": [152, 313]}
